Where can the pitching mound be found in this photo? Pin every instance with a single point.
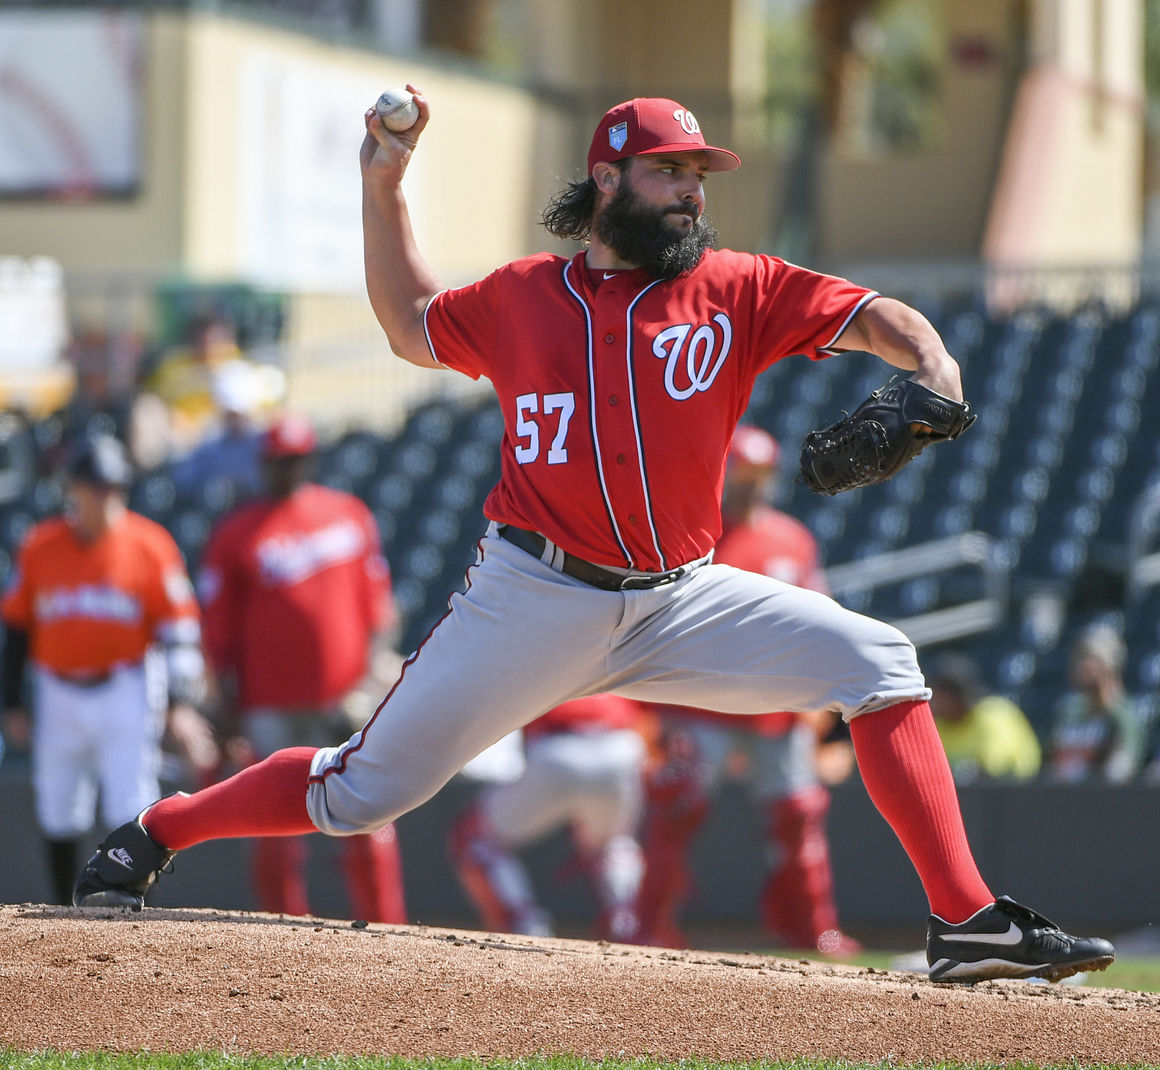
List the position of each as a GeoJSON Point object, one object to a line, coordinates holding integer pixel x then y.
{"type": "Point", "coordinates": [180, 980]}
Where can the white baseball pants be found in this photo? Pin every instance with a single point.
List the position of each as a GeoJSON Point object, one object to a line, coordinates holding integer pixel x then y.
{"type": "Point", "coordinates": [588, 780]}
{"type": "Point", "coordinates": [88, 739]}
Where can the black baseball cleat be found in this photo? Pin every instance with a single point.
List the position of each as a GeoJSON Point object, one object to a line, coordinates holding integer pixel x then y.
{"type": "Point", "coordinates": [122, 870]}
{"type": "Point", "coordinates": [1007, 939]}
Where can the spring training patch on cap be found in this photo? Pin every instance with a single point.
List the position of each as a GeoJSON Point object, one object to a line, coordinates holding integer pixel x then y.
{"type": "Point", "coordinates": [617, 136]}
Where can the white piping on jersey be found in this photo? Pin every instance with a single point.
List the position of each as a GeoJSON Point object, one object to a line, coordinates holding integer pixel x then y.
{"type": "Point", "coordinates": [636, 424]}
{"type": "Point", "coordinates": [591, 362]}
{"type": "Point", "coordinates": [829, 346]}
{"type": "Point", "coordinates": [431, 344]}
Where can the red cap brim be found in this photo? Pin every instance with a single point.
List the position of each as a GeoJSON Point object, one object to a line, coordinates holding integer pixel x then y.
{"type": "Point", "coordinates": [719, 159]}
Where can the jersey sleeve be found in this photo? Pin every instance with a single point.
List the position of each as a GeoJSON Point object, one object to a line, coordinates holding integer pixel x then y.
{"type": "Point", "coordinates": [803, 311]}
{"type": "Point", "coordinates": [175, 597]}
{"type": "Point", "coordinates": [172, 604]}
{"type": "Point", "coordinates": [462, 324]}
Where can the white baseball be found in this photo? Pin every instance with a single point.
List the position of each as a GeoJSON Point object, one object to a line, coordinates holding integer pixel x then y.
{"type": "Point", "coordinates": [397, 109]}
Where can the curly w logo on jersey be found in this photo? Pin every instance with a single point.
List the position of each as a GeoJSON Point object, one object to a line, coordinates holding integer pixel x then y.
{"type": "Point", "coordinates": [693, 358]}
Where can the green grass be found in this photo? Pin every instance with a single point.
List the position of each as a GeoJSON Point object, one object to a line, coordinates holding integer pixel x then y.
{"type": "Point", "coordinates": [213, 1060]}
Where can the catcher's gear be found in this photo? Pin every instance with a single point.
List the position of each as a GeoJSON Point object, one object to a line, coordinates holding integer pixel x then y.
{"type": "Point", "coordinates": [878, 438]}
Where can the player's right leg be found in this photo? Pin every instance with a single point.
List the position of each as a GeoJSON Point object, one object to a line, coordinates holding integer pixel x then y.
{"type": "Point", "coordinates": [267, 799]}
{"type": "Point", "coordinates": [521, 639]}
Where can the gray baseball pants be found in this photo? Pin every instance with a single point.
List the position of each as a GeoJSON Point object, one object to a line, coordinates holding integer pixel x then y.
{"type": "Point", "coordinates": [524, 638]}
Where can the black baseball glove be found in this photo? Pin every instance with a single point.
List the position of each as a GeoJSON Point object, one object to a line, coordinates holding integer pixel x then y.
{"type": "Point", "coordinates": [878, 438]}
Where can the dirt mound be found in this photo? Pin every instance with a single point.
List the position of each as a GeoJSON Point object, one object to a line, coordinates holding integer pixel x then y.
{"type": "Point", "coordinates": [181, 980]}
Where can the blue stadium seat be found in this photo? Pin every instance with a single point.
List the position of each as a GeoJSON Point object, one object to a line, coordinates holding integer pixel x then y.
{"type": "Point", "coordinates": [154, 496]}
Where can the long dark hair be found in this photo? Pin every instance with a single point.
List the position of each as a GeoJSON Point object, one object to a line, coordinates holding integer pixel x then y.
{"type": "Point", "coordinates": [568, 214]}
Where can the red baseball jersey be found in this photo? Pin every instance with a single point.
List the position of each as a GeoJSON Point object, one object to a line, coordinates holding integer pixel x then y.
{"type": "Point", "coordinates": [91, 606]}
{"type": "Point", "coordinates": [588, 366]}
{"type": "Point", "coordinates": [292, 592]}
{"type": "Point", "coordinates": [594, 713]}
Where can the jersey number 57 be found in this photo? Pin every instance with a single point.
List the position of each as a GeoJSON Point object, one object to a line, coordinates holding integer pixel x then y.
{"type": "Point", "coordinates": [562, 406]}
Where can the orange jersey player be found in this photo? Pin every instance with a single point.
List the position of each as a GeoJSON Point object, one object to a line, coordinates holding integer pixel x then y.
{"type": "Point", "coordinates": [94, 592]}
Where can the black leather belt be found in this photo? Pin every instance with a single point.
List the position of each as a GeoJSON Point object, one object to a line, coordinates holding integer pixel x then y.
{"type": "Point", "coordinates": [85, 680]}
{"type": "Point", "coordinates": [533, 542]}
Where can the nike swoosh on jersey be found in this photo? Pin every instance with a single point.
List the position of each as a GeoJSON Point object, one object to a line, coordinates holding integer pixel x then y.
{"type": "Point", "coordinates": [1012, 936]}
{"type": "Point", "coordinates": [610, 274]}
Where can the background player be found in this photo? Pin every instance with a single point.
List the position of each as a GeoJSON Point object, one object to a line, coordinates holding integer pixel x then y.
{"type": "Point", "coordinates": [621, 374]}
{"type": "Point", "coordinates": [779, 749]}
{"type": "Point", "coordinates": [295, 590]}
{"type": "Point", "coordinates": [583, 768]}
{"type": "Point", "coordinates": [93, 593]}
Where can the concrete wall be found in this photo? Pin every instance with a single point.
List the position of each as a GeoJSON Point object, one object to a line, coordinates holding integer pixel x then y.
{"type": "Point", "coordinates": [1083, 855]}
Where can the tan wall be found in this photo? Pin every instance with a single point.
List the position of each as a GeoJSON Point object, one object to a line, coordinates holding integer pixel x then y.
{"type": "Point", "coordinates": [709, 56]}
{"type": "Point", "coordinates": [1069, 191]}
{"type": "Point", "coordinates": [930, 203]}
{"type": "Point", "coordinates": [494, 153]}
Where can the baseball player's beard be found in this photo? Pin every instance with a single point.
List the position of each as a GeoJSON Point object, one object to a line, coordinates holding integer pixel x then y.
{"type": "Point", "coordinates": [640, 234]}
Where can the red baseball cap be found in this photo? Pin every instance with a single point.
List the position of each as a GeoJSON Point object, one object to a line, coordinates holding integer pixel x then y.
{"type": "Point", "coordinates": [289, 436]}
{"type": "Point", "coordinates": [751, 445]}
{"type": "Point", "coordinates": [649, 125]}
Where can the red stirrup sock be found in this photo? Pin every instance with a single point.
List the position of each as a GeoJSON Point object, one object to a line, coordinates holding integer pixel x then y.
{"type": "Point", "coordinates": [267, 799]}
{"type": "Point", "coordinates": [905, 770]}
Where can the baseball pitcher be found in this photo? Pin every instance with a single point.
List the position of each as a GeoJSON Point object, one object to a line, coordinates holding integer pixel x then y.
{"type": "Point", "coordinates": [621, 373]}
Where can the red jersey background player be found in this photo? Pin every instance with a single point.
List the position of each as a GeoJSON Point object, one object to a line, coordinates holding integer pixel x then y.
{"type": "Point", "coordinates": [94, 594]}
{"type": "Point", "coordinates": [294, 590]}
{"type": "Point", "coordinates": [779, 749]}
{"type": "Point", "coordinates": [583, 767]}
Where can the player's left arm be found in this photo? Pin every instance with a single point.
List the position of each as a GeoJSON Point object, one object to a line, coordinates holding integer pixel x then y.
{"type": "Point", "coordinates": [904, 338]}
